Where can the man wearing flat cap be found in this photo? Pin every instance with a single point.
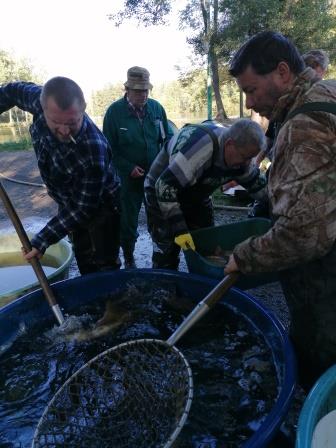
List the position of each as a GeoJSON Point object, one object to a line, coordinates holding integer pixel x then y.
{"type": "Point", "coordinates": [136, 127]}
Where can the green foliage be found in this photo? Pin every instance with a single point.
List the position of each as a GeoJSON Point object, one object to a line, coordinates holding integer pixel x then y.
{"type": "Point", "coordinates": [309, 23]}
{"type": "Point", "coordinates": [182, 99]}
{"type": "Point", "coordinates": [147, 12]}
{"type": "Point", "coordinates": [331, 72]}
{"type": "Point", "coordinates": [312, 25]}
{"type": "Point", "coordinates": [101, 99]}
{"type": "Point", "coordinates": [12, 69]}
{"type": "Point", "coordinates": [16, 146]}
{"type": "Point", "coordinates": [179, 98]}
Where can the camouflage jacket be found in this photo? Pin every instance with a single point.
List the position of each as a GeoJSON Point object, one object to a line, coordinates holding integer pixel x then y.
{"type": "Point", "coordinates": [302, 184]}
{"type": "Point", "coordinates": [188, 170]}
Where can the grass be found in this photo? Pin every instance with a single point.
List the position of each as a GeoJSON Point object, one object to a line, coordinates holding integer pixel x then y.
{"type": "Point", "coordinates": [16, 146]}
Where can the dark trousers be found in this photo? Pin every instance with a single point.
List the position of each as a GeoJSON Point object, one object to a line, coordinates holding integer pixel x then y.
{"type": "Point", "coordinates": [165, 251]}
{"type": "Point", "coordinates": [310, 292]}
{"type": "Point", "coordinates": [96, 245]}
{"type": "Point", "coordinates": [132, 196]}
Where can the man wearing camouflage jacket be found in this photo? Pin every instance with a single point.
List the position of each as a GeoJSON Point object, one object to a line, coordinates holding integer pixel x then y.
{"type": "Point", "coordinates": [195, 162]}
{"type": "Point", "coordinates": [302, 194]}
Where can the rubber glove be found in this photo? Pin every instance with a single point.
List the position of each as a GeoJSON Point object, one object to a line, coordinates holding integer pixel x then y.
{"type": "Point", "coordinates": [185, 241]}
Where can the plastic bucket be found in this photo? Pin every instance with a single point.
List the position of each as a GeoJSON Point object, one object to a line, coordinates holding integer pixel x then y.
{"type": "Point", "coordinates": [210, 240]}
{"type": "Point", "coordinates": [74, 293]}
{"type": "Point", "coordinates": [320, 401]}
{"type": "Point", "coordinates": [61, 253]}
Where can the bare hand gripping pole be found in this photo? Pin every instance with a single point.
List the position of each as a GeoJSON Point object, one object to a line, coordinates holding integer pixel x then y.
{"type": "Point", "coordinates": [49, 295]}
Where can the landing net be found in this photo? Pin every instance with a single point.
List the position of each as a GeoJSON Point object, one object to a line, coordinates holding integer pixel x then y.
{"type": "Point", "coordinates": [137, 394]}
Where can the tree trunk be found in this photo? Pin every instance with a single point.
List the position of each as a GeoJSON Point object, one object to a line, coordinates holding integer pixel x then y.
{"type": "Point", "coordinates": [241, 104]}
{"type": "Point", "coordinates": [221, 114]}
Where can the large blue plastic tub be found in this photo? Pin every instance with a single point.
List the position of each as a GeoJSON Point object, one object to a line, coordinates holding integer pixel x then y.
{"type": "Point", "coordinates": [320, 401]}
{"type": "Point", "coordinates": [71, 294]}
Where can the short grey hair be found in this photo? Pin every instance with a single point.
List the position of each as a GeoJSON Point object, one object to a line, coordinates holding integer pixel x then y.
{"type": "Point", "coordinates": [245, 132]}
{"type": "Point", "coordinates": [316, 57]}
{"type": "Point", "coordinates": [64, 91]}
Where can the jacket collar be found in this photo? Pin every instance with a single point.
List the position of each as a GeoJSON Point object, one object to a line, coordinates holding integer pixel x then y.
{"type": "Point", "coordinates": [302, 84]}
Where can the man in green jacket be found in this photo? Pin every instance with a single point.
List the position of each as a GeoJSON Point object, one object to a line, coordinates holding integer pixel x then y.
{"type": "Point", "coordinates": [136, 128]}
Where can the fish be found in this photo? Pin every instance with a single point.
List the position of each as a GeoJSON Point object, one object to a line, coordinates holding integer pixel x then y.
{"type": "Point", "coordinates": [114, 316]}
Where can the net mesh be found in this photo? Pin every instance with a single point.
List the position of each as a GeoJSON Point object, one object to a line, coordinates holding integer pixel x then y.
{"type": "Point", "coordinates": [137, 394]}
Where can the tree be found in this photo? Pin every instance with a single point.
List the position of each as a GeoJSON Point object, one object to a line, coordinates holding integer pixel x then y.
{"type": "Point", "coordinates": [196, 15]}
{"type": "Point", "coordinates": [12, 69]}
{"type": "Point", "coordinates": [293, 18]}
{"type": "Point", "coordinates": [101, 99]}
{"type": "Point", "coordinates": [310, 24]}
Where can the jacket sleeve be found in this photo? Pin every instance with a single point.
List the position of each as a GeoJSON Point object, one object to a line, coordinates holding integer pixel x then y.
{"type": "Point", "coordinates": [24, 95]}
{"type": "Point", "coordinates": [254, 181]}
{"type": "Point", "coordinates": [185, 168]}
{"type": "Point", "coordinates": [84, 201]}
{"type": "Point", "coordinates": [110, 130]}
{"type": "Point", "coordinates": [168, 130]}
{"type": "Point", "coordinates": [302, 190]}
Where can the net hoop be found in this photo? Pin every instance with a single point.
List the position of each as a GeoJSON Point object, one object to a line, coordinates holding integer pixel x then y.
{"type": "Point", "coordinates": [127, 347]}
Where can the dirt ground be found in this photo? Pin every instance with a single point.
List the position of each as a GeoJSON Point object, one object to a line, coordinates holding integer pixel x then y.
{"type": "Point", "coordinates": [35, 207]}
{"type": "Point", "coordinates": [28, 200]}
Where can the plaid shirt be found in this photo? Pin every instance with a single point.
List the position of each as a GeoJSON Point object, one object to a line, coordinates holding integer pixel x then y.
{"type": "Point", "coordinates": [188, 170]}
{"type": "Point", "coordinates": [139, 112]}
{"type": "Point", "coordinates": [79, 176]}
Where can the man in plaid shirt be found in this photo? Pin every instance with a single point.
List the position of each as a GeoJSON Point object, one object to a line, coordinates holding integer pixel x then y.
{"type": "Point", "coordinates": [75, 163]}
{"type": "Point", "coordinates": [194, 163]}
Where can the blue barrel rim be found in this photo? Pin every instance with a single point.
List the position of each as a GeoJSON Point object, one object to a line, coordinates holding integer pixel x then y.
{"type": "Point", "coordinates": [311, 410]}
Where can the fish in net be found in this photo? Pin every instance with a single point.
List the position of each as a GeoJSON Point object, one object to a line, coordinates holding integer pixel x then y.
{"type": "Point", "coordinates": [137, 394]}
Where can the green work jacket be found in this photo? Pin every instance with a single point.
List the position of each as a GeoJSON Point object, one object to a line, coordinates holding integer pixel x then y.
{"type": "Point", "coordinates": [135, 142]}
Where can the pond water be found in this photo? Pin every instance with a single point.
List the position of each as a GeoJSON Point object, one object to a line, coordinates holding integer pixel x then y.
{"type": "Point", "coordinates": [234, 377]}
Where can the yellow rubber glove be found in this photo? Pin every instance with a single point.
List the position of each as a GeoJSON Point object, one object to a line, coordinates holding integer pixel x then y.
{"type": "Point", "coordinates": [185, 241]}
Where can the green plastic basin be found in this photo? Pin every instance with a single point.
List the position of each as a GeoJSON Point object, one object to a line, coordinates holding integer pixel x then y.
{"type": "Point", "coordinates": [218, 239]}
